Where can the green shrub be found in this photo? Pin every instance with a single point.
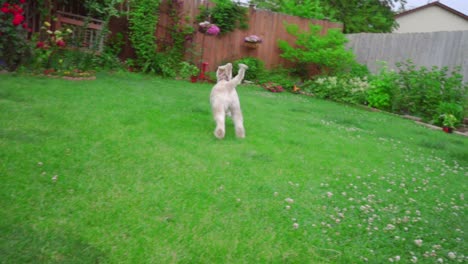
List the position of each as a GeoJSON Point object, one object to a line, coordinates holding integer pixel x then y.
{"type": "Point", "coordinates": [143, 18]}
{"type": "Point", "coordinates": [226, 14]}
{"type": "Point", "coordinates": [256, 67]}
{"type": "Point", "coordinates": [344, 88]}
{"type": "Point", "coordinates": [383, 89]}
{"type": "Point", "coordinates": [280, 76]}
{"type": "Point", "coordinates": [423, 90]}
{"type": "Point", "coordinates": [445, 108]}
{"type": "Point", "coordinates": [327, 52]}
{"type": "Point", "coordinates": [188, 70]}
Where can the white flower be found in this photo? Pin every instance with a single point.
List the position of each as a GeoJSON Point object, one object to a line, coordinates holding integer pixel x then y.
{"type": "Point", "coordinates": [397, 258]}
{"type": "Point", "coordinates": [275, 193]}
{"type": "Point", "coordinates": [54, 178]}
{"type": "Point", "coordinates": [414, 259]}
{"type": "Point", "coordinates": [440, 260]}
{"type": "Point", "coordinates": [289, 200]}
{"type": "Point", "coordinates": [329, 194]}
{"type": "Point", "coordinates": [40, 163]}
{"type": "Point", "coordinates": [452, 255]}
{"type": "Point", "coordinates": [288, 207]}
{"type": "Point", "coordinates": [418, 242]}
{"type": "Point", "coordinates": [295, 225]}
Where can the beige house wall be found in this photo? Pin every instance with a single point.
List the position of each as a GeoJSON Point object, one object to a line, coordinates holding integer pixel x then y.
{"type": "Point", "coordinates": [430, 19]}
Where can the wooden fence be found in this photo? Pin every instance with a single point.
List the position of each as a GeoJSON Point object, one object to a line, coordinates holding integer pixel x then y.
{"type": "Point", "coordinates": [447, 48]}
{"type": "Point", "coordinates": [217, 50]}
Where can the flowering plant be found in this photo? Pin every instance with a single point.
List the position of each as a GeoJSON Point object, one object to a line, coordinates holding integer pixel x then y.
{"type": "Point", "coordinates": [13, 34]}
{"type": "Point", "coordinates": [253, 39]}
{"type": "Point", "coordinates": [47, 50]}
{"type": "Point", "coordinates": [213, 30]}
{"type": "Point", "coordinates": [273, 87]}
{"type": "Point", "coordinates": [449, 120]}
{"type": "Point", "coordinates": [208, 28]}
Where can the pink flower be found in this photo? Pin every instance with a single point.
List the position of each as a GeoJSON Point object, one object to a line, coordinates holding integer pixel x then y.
{"type": "Point", "coordinates": [60, 43]}
{"type": "Point", "coordinates": [22, 1]}
{"type": "Point", "coordinates": [213, 30]}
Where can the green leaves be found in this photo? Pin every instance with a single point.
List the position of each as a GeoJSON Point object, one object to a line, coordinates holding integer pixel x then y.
{"type": "Point", "coordinates": [326, 51]}
{"type": "Point", "coordinates": [143, 20]}
{"type": "Point", "coordinates": [226, 15]}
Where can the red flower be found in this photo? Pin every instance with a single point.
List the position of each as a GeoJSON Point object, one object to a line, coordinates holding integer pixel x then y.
{"type": "Point", "coordinates": [22, 1]}
{"type": "Point", "coordinates": [5, 9]}
{"type": "Point", "coordinates": [25, 25]}
{"type": "Point", "coordinates": [60, 43]}
{"type": "Point", "coordinates": [18, 19]}
{"type": "Point", "coordinates": [16, 9]}
{"type": "Point", "coordinates": [40, 45]}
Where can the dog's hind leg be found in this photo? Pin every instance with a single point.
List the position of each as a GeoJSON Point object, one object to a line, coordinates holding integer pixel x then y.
{"type": "Point", "coordinates": [219, 117]}
{"type": "Point", "coordinates": [238, 121]}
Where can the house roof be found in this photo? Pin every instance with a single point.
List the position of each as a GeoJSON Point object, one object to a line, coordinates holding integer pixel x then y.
{"type": "Point", "coordinates": [438, 4]}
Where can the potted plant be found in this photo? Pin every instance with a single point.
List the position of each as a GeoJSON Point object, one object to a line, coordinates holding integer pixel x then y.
{"type": "Point", "coordinates": [252, 41]}
{"type": "Point", "coordinates": [448, 122]}
{"type": "Point", "coordinates": [188, 70]}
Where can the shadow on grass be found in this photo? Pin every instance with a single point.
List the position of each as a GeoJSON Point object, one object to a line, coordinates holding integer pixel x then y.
{"type": "Point", "coordinates": [22, 244]}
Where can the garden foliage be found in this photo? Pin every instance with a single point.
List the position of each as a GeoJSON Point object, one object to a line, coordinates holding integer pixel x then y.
{"type": "Point", "coordinates": [14, 48]}
{"type": "Point", "coordinates": [226, 14]}
{"type": "Point", "coordinates": [422, 92]}
{"type": "Point", "coordinates": [256, 67]}
{"type": "Point", "coordinates": [143, 17]}
{"type": "Point", "coordinates": [326, 51]}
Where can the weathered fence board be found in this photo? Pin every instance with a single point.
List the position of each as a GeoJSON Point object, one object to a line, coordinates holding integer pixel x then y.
{"type": "Point", "coordinates": [447, 48]}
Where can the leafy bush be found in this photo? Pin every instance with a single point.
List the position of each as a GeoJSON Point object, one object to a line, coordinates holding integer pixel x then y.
{"type": "Point", "coordinates": [342, 88]}
{"type": "Point", "coordinates": [383, 89]}
{"type": "Point", "coordinates": [327, 51]}
{"type": "Point", "coordinates": [280, 76]}
{"type": "Point", "coordinates": [14, 48]}
{"type": "Point", "coordinates": [423, 90]}
{"type": "Point", "coordinates": [227, 15]}
{"type": "Point", "coordinates": [256, 67]}
{"type": "Point", "coordinates": [187, 70]}
{"type": "Point", "coordinates": [445, 108]}
{"type": "Point", "coordinates": [143, 18]}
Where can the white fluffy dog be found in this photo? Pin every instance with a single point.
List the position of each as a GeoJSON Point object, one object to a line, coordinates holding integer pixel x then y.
{"type": "Point", "coordinates": [225, 101]}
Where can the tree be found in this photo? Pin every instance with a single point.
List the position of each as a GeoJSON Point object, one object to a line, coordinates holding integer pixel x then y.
{"type": "Point", "coordinates": [356, 15]}
{"type": "Point", "coordinates": [301, 8]}
{"type": "Point", "coordinates": [363, 15]}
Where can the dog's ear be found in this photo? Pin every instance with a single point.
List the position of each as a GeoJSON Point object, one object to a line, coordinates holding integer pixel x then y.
{"type": "Point", "coordinates": [229, 71]}
{"type": "Point", "coordinates": [221, 73]}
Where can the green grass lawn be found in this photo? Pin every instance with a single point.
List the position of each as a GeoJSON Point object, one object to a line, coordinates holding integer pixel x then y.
{"type": "Point", "coordinates": [125, 169]}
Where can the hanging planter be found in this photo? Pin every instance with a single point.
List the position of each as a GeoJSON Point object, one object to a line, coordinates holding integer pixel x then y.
{"type": "Point", "coordinates": [251, 45]}
{"type": "Point", "coordinates": [252, 41]}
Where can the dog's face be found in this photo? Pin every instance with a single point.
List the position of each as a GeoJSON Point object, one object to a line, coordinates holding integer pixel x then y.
{"type": "Point", "coordinates": [224, 72]}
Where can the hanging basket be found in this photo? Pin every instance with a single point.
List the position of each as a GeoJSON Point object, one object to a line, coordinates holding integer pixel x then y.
{"type": "Point", "coordinates": [251, 45]}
